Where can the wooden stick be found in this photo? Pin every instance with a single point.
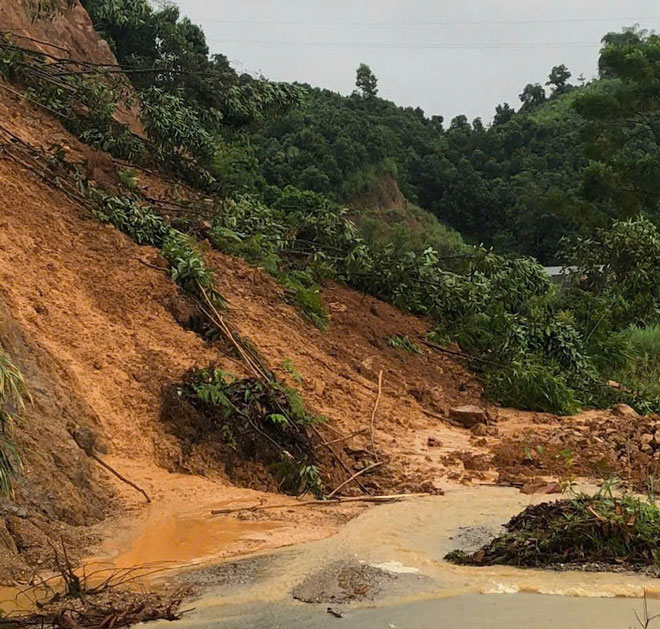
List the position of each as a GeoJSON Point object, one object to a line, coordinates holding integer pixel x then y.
{"type": "Point", "coordinates": [335, 430]}
{"type": "Point", "coordinates": [347, 481]}
{"type": "Point", "coordinates": [120, 477]}
{"type": "Point", "coordinates": [373, 412]}
{"type": "Point", "coordinates": [38, 41]}
{"type": "Point", "coordinates": [330, 449]}
{"type": "Point", "coordinates": [441, 418]}
{"type": "Point", "coordinates": [346, 437]}
{"type": "Point", "coordinates": [432, 414]}
{"type": "Point", "coordinates": [321, 503]}
{"type": "Point", "coordinates": [465, 355]}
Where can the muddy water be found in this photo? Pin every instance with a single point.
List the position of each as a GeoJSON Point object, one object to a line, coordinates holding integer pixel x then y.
{"type": "Point", "coordinates": [162, 537]}
{"type": "Point", "coordinates": [411, 538]}
{"type": "Point", "coordinates": [158, 543]}
{"type": "Point", "coordinates": [407, 539]}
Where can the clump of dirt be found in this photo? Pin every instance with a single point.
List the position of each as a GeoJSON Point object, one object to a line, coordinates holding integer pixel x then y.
{"type": "Point", "coordinates": [598, 446]}
{"type": "Point", "coordinates": [590, 532]}
{"type": "Point", "coordinates": [342, 582]}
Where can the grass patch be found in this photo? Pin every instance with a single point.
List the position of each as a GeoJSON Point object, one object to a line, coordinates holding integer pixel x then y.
{"type": "Point", "coordinates": [13, 394]}
{"type": "Point", "coordinates": [303, 292]}
{"type": "Point", "coordinates": [641, 372]}
{"type": "Point", "coordinates": [400, 341]}
{"type": "Point", "coordinates": [601, 530]}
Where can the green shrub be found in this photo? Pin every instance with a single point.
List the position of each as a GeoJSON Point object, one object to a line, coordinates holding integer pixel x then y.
{"type": "Point", "coordinates": [13, 395]}
{"type": "Point", "coordinates": [265, 421]}
{"type": "Point", "coordinates": [534, 385]}
{"type": "Point", "coordinates": [188, 268]}
{"type": "Point", "coordinates": [400, 341]}
{"type": "Point", "coordinates": [302, 291]}
{"type": "Point", "coordinates": [641, 373]}
{"type": "Point", "coordinates": [137, 221]}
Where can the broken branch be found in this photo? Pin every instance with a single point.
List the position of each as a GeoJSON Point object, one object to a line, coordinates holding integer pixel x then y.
{"type": "Point", "coordinates": [321, 503]}
{"type": "Point", "coordinates": [373, 412]}
{"type": "Point", "coordinates": [348, 480]}
{"type": "Point", "coordinates": [120, 477]}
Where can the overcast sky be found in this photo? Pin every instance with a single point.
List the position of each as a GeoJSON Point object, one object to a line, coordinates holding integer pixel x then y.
{"type": "Point", "coordinates": [445, 56]}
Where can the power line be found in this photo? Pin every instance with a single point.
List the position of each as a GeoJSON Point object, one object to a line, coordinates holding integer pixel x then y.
{"type": "Point", "coordinates": [258, 22]}
{"type": "Point", "coordinates": [413, 46]}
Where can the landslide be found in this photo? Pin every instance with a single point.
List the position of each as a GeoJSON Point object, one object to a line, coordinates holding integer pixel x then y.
{"type": "Point", "coordinates": [101, 333]}
{"type": "Point", "coordinates": [99, 330]}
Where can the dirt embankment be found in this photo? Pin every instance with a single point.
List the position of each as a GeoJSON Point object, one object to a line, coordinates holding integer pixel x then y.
{"type": "Point", "coordinates": [68, 33]}
{"type": "Point", "coordinates": [99, 335]}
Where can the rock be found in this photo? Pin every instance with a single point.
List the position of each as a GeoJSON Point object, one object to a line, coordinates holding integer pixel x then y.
{"type": "Point", "coordinates": [468, 416]}
{"type": "Point", "coordinates": [480, 430]}
{"type": "Point", "coordinates": [646, 438]}
{"type": "Point", "coordinates": [433, 443]}
{"type": "Point", "coordinates": [540, 486]}
{"type": "Point", "coordinates": [623, 410]}
{"type": "Point", "coordinates": [431, 487]}
{"type": "Point", "coordinates": [656, 437]}
{"type": "Point", "coordinates": [204, 225]}
{"type": "Point", "coordinates": [86, 438]}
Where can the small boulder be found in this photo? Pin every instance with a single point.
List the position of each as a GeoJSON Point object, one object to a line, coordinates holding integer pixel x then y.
{"type": "Point", "coordinates": [646, 438]}
{"type": "Point", "coordinates": [480, 430]}
{"type": "Point", "coordinates": [540, 486]}
{"type": "Point", "coordinates": [623, 410]}
{"type": "Point", "coordinates": [433, 443]}
{"type": "Point", "coordinates": [86, 438]}
{"type": "Point", "coordinates": [468, 416]}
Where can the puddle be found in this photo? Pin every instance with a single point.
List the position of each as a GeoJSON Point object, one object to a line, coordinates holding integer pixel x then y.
{"type": "Point", "coordinates": [184, 539]}
{"type": "Point", "coordinates": [159, 543]}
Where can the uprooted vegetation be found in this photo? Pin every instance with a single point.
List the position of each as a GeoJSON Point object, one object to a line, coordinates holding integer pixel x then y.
{"type": "Point", "coordinates": [247, 421]}
{"type": "Point", "coordinates": [91, 598]}
{"type": "Point", "coordinates": [598, 532]}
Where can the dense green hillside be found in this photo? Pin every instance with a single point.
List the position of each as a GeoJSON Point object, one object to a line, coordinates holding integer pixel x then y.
{"type": "Point", "coordinates": [516, 184]}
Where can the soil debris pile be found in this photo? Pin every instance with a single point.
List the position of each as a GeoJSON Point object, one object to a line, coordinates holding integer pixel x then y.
{"type": "Point", "coordinates": [595, 445]}
{"type": "Point", "coordinates": [342, 582]}
{"type": "Point", "coordinates": [246, 421]}
{"type": "Point", "coordinates": [598, 532]}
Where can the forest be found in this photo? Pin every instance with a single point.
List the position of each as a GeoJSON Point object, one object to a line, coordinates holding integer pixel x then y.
{"type": "Point", "coordinates": [447, 219]}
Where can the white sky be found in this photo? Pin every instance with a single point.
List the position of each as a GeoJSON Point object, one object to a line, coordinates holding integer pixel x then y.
{"type": "Point", "coordinates": [445, 56]}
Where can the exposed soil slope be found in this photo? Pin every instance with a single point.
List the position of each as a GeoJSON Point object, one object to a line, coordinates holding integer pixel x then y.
{"type": "Point", "coordinates": [96, 332]}
{"type": "Point", "coordinates": [69, 34]}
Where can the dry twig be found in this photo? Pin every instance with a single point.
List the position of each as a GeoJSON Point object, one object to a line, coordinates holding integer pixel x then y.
{"type": "Point", "coordinates": [373, 412]}
{"type": "Point", "coordinates": [352, 478]}
{"type": "Point", "coordinates": [321, 503]}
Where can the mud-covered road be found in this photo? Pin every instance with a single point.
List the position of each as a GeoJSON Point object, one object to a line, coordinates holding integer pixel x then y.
{"type": "Point", "coordinates": [386, 569]}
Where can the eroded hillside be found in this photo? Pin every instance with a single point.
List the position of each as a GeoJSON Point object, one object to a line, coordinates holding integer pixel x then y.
{"type": "Point", "coordinates": [91, 319]}
{"type": "Point", "coordinates": [101, 333]}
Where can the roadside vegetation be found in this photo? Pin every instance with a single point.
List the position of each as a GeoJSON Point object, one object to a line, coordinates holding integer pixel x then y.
{"type": "Point", "coordinates": [600, 532]}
